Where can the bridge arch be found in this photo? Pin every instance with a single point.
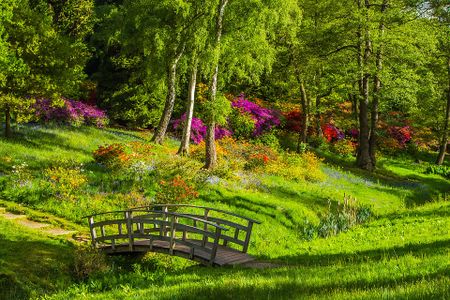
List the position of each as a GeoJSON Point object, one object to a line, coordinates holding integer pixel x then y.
{"type": "Point", "coordinates": [204, 234]}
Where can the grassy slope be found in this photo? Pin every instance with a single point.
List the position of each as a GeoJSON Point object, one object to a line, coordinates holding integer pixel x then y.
{"type": "Point", "coordinates": [31, 263]}
{"type": "Point", "coordinates": [403, 252]}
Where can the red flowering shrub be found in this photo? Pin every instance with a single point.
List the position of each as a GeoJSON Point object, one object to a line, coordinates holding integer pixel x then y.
{"type": "Point", "coordinates": [332, 133]}
{"type": "Point", "coordinates": [293, 121]}
{"type": "Point", "coordinates": [401, 134]}
{"type": "Point", "coordinates": [175, 191]}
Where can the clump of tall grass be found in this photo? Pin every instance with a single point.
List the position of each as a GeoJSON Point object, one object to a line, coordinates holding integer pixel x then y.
{"type": "Point", "coordinates": [339, 218]}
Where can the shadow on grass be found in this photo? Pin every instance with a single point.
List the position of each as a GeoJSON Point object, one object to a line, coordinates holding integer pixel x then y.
{"type": "Point", "coordinates": [40, 140]}
{"type": "Point", "coordinates": [422, 188]}
{"type": "Point", "coordinates": [443, 212]}
{"type": "Point", "coordinates": [264, 210]}
{"type": "Point", "coordinates": [425, 249]}
{"type": "Point", "coordinates": [33, 267]}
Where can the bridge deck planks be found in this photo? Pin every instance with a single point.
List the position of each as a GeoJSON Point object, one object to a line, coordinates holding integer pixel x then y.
{"type": "Point", "coordinates": [224, 256]}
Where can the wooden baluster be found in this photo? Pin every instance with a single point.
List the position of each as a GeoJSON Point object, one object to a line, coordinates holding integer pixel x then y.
{"type": "Point", "coordinates": [102, 229]}
{"type": "Point", "coordinates": [166, 219]}
{"type": "Point", "coordinates": [172, 234]}
{"type": "Point", "coordinates": [120, 228]}
{"type": "Point", "coordinates": [247, 237]}
{"type": "Point", "coordinates": [93, 232]}
{"type": "Point", "coordinates": [128, 216]}
{"type": "Point", "coordinates": [215, 246]}
{"type": "Point", "coordinates": [205, 228]}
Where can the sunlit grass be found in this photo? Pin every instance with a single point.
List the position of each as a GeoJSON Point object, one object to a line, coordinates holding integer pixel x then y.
{"type": "Point", "coordinates": [402, 252]}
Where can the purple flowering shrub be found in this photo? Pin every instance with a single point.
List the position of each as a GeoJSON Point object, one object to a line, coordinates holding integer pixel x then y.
{"type": "Point", "coordinates": [264, 118]}
{"type": "Point", "coordinates": [198, 129]}
{"type": "Point", "coordinates": [72, 112]}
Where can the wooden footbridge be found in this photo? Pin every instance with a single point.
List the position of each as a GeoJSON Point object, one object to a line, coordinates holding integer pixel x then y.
{"type": "Point", "coordinates": [207, 235]}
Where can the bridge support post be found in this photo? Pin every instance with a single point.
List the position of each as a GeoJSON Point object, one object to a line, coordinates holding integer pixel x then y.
{"type": "Point", "coordinates": [93, 232]}
{"type": "Point", "coordinates": [215, 246]}
{"type": "Point", "coordinates": [128, 217]}
{"type": "Point", "coordinates": [205, 227]}
{"type": "Point", "coordinates": [247, 237]}
{"type": "Point", "coordinates": [172, 234]}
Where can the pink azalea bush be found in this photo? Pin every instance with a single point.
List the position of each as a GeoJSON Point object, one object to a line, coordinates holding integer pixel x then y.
{"type": "Point", "coordinates": [265, 119]}
{"type": "Point", "coordinates": [198, 129]}
{"type": "Point", "coordinates": [72, 112]}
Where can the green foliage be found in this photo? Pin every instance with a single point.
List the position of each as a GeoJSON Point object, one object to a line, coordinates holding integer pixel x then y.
{"type": "Point", "coordinates": [442, 170]}
{"type": "Point", "coordinates": [88, 263]}
{"type": "Point", "coordinates": [344, 147]}
{"type": "Point", "coordinates": [304, 166]}
{"type": "Point", "coordinates": [242, 124]}
{"type": "Point", "coordinates": [269, 139]}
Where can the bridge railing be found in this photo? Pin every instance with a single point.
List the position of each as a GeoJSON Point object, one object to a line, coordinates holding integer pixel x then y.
{"type": "Point", "coordinates": [121, 229]}
{"type": "Point", "coordinates": [239, 227]}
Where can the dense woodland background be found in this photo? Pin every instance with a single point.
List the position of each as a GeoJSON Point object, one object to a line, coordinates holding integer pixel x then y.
{"type": "Point", "coordinates": [143, 60]}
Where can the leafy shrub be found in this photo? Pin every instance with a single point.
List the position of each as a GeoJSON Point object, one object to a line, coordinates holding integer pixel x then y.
{"type": "Point", "coordinates": [268, 139]}
{"type": "Point", "coordinates": [255, 161]}
{"type": "Point", "coordinates": [304, 166]}
{"type": "Point", "coordinates": [441, 170]}
{"type": "Point", "coordinates": [401, 134]}
{"type": "Point", "coordinates": [318, 142]}
{"type": "Point", "coordinates": [242, 124]}
{"type": "Point", "coordinates": [72, 112]}
{"type": "Point", "coordinates": [302, 147]}
{"type": "Point", "coordinates": [344, 147]}
{"type": "Point", "coordinates": [65, 183]}
{"type": "Point", "coordinates": [113, 156]}
{"type": "Point", "coordinates": [389, 145]}
{"type": "Point", "coordinates": [176, 191]}
{"type": "Point", "coordinates": [88, 262]}
{"type": "Point", "coordinates": [294, 121]}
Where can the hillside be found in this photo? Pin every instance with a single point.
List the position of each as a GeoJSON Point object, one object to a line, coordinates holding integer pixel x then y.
{"type": "Point", "coordinates": [400, 250]}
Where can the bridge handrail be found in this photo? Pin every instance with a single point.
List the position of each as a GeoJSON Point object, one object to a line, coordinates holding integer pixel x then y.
{"type": "Point", "coordinates": [195, 218]}
{"type": "Point", "coordinates": [175, 205]}
{"type": "Point", "coordinates": [202, 207]}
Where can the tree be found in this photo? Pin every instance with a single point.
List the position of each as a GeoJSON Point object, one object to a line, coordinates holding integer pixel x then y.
{"type": "Point", "coordinates": [441, 11]}
{"type": "Point", "coordinates": [45, 52]}
{"type": "Point", "coordinates": [244, 50]}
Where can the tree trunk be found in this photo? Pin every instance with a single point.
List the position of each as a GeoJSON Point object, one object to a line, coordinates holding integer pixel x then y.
{"type": "Point", "coordinates": [317, 116]}
{"type": "Point", "coordinates": [376, 91]}
{"type": "Point", "coordinates": [185, 140]}
{"type": "Point", "coordinates": [211, 155]}
{"type": "Point", "coordinates": [305, 115]}
{"type": "Point", "coordinates": [8, 132]}
{"type": "Point", "coordinates": [444, 141]}
{"type": "Point", "coordinates": [363, 157]}
{"type": "Point", "coordinates": [160, 132]}
{"type": "Point", "coordinates": [354, 99]}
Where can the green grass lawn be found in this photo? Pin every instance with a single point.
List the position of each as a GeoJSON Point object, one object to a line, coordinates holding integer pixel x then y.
{"type": "Point", "coordinates": [32, 264]}
{"type": "Point", "coordinates": [402, 252]}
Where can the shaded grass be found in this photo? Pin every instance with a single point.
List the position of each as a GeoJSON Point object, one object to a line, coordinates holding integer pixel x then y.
{"type": "Point", "coordinates": [31, 264]}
